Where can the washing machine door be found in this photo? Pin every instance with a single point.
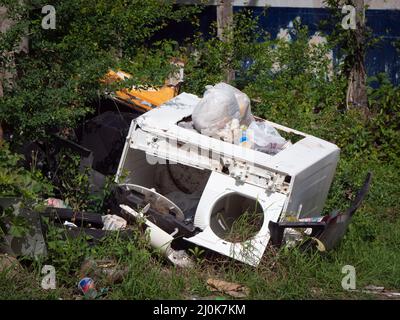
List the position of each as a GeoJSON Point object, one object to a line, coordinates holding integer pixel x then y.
{"type": "Point", "coordinates": [226, 208]}
{"type": "Point", "coordinates": [156, 200]}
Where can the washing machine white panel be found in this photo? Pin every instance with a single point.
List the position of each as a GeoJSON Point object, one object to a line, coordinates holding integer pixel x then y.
{"type": "Point", "coordinates": [252, 250]}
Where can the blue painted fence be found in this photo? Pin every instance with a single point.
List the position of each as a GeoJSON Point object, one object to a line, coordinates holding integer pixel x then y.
{"type": "Point", "coordinates": [385, 24]}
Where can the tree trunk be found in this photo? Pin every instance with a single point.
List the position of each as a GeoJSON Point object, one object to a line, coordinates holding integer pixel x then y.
{"type": "Point", "coordinates": [357, 90]}
{"type": "Point", "coordinates": [224, 31]}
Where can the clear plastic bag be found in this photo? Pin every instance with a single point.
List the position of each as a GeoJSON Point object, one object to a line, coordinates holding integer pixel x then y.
{"type": "Point", "coordinates": [266, 138]}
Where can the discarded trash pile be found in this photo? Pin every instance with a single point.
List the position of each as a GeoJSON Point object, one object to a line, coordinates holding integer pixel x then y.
{"type": "Point", "coordinates": [197, 171]}
{"type": "Point", "coordinates": [144, 99]}
{"type": "Point", "coordinates": [225, 113]}
{"type": "Point", "coordinates": [206, 175]}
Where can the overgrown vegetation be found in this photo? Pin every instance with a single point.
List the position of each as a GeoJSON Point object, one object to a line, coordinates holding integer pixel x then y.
{"type": "Point", "coordinates": [244, 227]}
{"type": "Point", "coordinates": [60, 75]}
{"type": "Point", "coordinates": [16, 181]}
{"type": "Point", "coordinates": [289, 82]}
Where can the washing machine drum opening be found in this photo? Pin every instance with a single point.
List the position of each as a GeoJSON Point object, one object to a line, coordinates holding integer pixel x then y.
{"type": "Point", "coordinates": [236, 218]}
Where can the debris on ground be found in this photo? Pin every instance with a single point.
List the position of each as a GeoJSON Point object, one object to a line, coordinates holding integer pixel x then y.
{"type": "Point", "coordinates": [200, 200]}
{"type": "Point", "coordinates": [9, 265]}
{"type": "Point", "coordinates": [70, 224]}
{"type": "Point", "coordinates": [180, 258]}
{"type": "Point", "coordinates": [371, 289]}
{"type": "Point", "coordinates": [144, 99]}
{"type": "Point", "coordinates": [205, 298]}
{"type": "Point", "coordinates": [232, 289]}
{"type": "Point", "coordinates": [161, 240]}
{"type": "Point", "coordinates": [88, 288]}
{"type": "Point", "coordinates": [327, 232]}
{"type": "Point", "coordinates": [56, 203]}
{"type": "Point", "coordinates": [251, 176]}
{"type": "Point", "coordinates": [113, 222]}
{"type": "Point", "coordinates": [104, 268]}
{"type": "Point", "coordinates": [77, 223]}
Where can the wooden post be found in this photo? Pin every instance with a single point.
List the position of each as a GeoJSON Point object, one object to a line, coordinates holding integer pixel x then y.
{"type": "Point", "coordinates": [224, 18]}
{"type": "Point", "coordinates": [224, 28]}
{"type": "Point", "coordinates": [357, 90]}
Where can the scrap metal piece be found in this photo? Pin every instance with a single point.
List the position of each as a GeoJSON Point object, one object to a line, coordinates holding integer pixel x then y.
{"type": "Point", "coordinates": [330, 230]}
{"type": "Point", "coordinates": [336, 227]}
{"type": "Point", "coordinates": [277, 229]}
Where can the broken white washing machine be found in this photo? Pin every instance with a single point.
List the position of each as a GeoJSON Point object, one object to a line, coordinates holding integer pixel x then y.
{"type": "Point", "coordinates": [216, 183]}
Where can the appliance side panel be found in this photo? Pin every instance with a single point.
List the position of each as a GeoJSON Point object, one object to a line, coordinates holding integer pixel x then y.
{"type": "Point", "coordinates": [134, 166]}
{"type": "Point", "coordinates": [125, 152]}
{"type": "Point", "coordinates": [310, 187]}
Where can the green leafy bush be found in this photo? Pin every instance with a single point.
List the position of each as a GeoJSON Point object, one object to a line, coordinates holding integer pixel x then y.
{"type": "Point", "coordinates": [289, 82]}
{"type": "Point", "coordinates": [15, 181]}
{"type": "Point", "coordinates": [59, 78]}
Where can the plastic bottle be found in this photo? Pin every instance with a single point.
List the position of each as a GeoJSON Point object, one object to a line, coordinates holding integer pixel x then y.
{"type": "Point", "coordinates": [244, 139]}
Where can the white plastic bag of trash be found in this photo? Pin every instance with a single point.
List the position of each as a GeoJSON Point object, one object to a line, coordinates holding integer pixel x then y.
{"type": "Point", "coordinates": [266, 138]}
{"type": "Point", "coordinates": [231, 132]}
{"type": "Point", "coordinates": [243, 101]}
{"type": "Point", "coordinates": [215, 110]}
{"type": "Point", "coordinates": [113, 222]}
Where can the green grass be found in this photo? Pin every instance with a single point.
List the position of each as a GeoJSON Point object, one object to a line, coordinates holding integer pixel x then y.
{"type": "Point", "coordinates": [298, 96]}
{"type": "Point", "coordinates": [371, 245]}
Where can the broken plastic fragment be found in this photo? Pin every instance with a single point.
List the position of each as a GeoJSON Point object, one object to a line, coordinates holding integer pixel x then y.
{"type": "Point", "coordinates": [113, 222]}
{"type": "Point", "coordinates": [70, 224]}
{"type": "Point", "coordinates": [159, 239]}
{"type": "Point", "coordinates": [180, 258]}
{"type": "Point", "coordinates": [320, 245]}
